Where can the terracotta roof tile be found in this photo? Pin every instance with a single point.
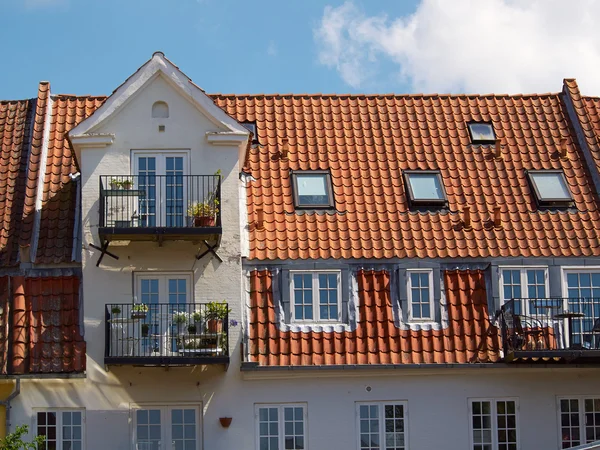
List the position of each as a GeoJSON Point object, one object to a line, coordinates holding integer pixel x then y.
{"type": "Point", "coordinates": [55, 243]}
{"type": "Point", "coordinates": [45, 331]}
{"type": "Point", "coordinates": [367, 141]}
{"type": "Point", "coordinates": [15, 130]}
{"type": "Point", "coordinates": [469, 338]}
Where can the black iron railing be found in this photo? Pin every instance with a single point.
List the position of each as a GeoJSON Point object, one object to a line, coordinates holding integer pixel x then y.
{"type": "Point", "coordinates": [166, 333]}
{"type": "Point", "coordinates": [550, 324]}
{"type": "Point", "coordinates": [160, 201]}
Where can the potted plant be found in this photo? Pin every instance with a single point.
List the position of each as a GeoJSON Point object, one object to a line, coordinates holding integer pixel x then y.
{"type": "Point", "coordinates": [115, 183]}
{"type": "Point", "coordinates": [191, 329]}
{"type": "Point", "coordinates": [139, 311]}
{"type": "Point", "coordinates": [216, 312]}
{"type": "Point", "coordinates": [126, 184]}
{"type": "Point", "coordinates": [115, 310]}
{"type": "Point", "coordinates": [198, 318]}
{"type": "Point", "coordinates": [180, 319]}
{"type": "Point", "coordinates": [145, 329]}
{"type": "Point", "coordinates": [204, 213]}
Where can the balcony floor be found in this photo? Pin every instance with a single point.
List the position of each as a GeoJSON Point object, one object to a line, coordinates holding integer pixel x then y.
{"type": "Point", "coordinates": [166, 361]}
{"type": "Point", "coordinates": [159, 233]}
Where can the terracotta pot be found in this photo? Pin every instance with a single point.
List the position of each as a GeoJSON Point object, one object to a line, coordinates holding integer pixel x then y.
{"type": "Point", "coordinates": [225, 421]}
{"type": "Point", "coordinates": [214, 325]}
{"type": "Point", "coordinates": [204, 221]}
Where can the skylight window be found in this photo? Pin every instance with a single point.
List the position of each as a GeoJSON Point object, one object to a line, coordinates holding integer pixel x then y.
{"type": "Point", "coordinates": [482, 133]}
{"type": "Point", "coordinates": [312, 189]}
{"type": "Point", "coordinates": [550, 187]}
{"type": "Point", "coordinates": [425, 188]}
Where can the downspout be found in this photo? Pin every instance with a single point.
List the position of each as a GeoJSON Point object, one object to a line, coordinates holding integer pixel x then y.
{"type": "Point", "coordinates": [5, 409]}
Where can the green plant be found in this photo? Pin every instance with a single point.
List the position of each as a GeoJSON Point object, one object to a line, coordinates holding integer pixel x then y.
{"type": "Point", "coordinates": [126, 184]}
{"type": "Point", "coordinates": [197, 316]}
{"type": "Point", "coordinates": [180, 317]}
{"type": "Point", "coordinates": [139, 307]}
{"type": "Point", "coordinates": [115, 310]}
{"type": "Point", "coordinates": [217, 310]}
{"type": "Point", "coordinates": [192, 329]}
{"type": "Point", "coordinates": [209, 208]}
{"type": "Point", "coordinates": [120, 183]}
{"type": "Point", "coordinates": [14, 440]}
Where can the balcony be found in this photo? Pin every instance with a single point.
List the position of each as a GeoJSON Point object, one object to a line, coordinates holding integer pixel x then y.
{"type": "Point", "coordinates": [166, 334]}
{"type": "Point", "coordinates": [565, 329]}
{"type": "Point", "coordinates": [160, 207]}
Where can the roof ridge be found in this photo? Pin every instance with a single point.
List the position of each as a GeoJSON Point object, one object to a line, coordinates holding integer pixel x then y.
{"type": "Point", "coordinates": [392, 95]}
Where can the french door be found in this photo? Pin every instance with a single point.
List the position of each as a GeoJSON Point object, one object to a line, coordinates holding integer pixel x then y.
{"type": "Point", "coordinates": [161, 178]}
{"type": "Point", "coordinates": [165, 295]}
{"type": "Point", "coordinates": [167, 428]}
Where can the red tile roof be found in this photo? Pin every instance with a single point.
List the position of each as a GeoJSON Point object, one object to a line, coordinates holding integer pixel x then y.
{"type": "Point", "coordinates": [58, 203]}
{"type": "Point", "coordinates": [469, 338]}
{"type": "Point", "coordinates": [15, 129]}
{"type": "Point", "coordinates": [44, 333]}
{"type": "Point", "coordinates": [367, 141]}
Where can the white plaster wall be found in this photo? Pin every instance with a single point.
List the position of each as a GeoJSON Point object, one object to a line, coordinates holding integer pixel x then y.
{"type": "Point", "coordinates": [437, 402]}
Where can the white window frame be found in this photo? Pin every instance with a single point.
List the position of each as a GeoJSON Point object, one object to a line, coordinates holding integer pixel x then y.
{"type": "Point", "coordinates": [581, 399]}
{"type": "Point", "coordinates": [163, 296]}
{"type": "Point", "coordinates": [494, 414]}
{"type": "Point", "coordinates": [381, 405]}
{"type": "Point", "coordinates": [166, 425]}
{"type": "Point", "coordinates": [59, 424]}
{"type": "Point", "coordinates": [524, 290]}
{"type": "Point", "coordinates": [432, 311]}
{"type": "Point", "coordinates": [160, 169]}
{"type": "Point", "coordinates": [280, 421]}
{"type": "Point", "coordinates": [315, 296]}
{"type": "Point", "coordinates": [565, 270]}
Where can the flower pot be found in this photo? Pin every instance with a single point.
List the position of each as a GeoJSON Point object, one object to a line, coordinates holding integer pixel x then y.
{"type": "Point", "coordinates": [138, 314]}
{"type": "Point", "coordinates": [214, 325]}
{"type": "Point", "coordinates": [204, 221]}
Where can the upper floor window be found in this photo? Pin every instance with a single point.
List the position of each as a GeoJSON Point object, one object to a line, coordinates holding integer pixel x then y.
{"type": "Point", "coordinates": [425, 188]}
{"type": "Point", "coordinates": [382, 425]}
{"type": "Point", "coordinates": [494, 424]}
{"type": "Point", "coordinates": [63, 429]}
{"type": "Point", "coordinates": [420, 295]}
{"type": "Point", "coordinates": [316, 296]}
{"type": "Point", "coordinates": [550, 187]}
{"type": "Point", "coordinates": [482, 133]}
{"type": "Point", "coordinates": [579, 421]}
{"type": "Point", "coordinates": [527, 286]}
{"type": "Point", "coordinates": [582, 289]}
{"type": "Point", "coordinates": [312, 189]}
{"type": "Point", "coordinates": [160, 110]}
{"type": "Point", "coordinates": [281, 427]}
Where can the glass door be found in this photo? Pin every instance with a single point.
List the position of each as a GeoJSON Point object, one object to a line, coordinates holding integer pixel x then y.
{"type": "Point", "coordinates": [162, 179]}
{"type": "Point", "coordinates": [167, 428]}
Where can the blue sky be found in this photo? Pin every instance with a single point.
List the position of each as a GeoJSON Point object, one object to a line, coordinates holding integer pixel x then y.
{"type": "Point", "coordinates": [280, 46]}
{"type": "Point", "coordinates": [90, 47]}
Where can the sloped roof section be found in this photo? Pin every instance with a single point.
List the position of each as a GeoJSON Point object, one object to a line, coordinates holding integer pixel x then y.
{"type": "Point", "coordinates": [366, 142]}
{"type": "Point", "coordinates": [469, 338]}
{"type": "Point", "coordinates": [55, 243]}
{"type": "Point", "coordinates": [15, 130]}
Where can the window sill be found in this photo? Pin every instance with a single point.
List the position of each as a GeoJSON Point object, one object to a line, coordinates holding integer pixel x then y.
{"type": "Point", "coordinates": [317, 327]}
{"type": "Point", "coordinates": [425, 325]}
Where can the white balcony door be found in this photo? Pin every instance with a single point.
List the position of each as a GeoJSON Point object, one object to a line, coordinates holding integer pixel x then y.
{"type": "Point", "coordinates": [167, 428]}
{"type": "Point", "coordinates": [161, 176]}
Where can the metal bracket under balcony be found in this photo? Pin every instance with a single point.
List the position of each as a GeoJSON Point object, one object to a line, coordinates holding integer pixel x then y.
{"type": "Point", "coordinates": [160, 207]}
{"type": "Point", "coordinates": [551, 329]}
{"type": "Point", "coordinates": [166, 334]}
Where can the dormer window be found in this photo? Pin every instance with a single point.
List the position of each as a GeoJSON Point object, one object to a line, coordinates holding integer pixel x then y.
{"type": "Point", "coordinates": [550, 187]}
{"type": "Point", "coordinates": [425, 188]}
{"type": "Point", "coordinates": [251, 127]}
{"type": "Point", "coordinates": [482, 133]}
{"type": "Point", "coordinates": [312, 189]}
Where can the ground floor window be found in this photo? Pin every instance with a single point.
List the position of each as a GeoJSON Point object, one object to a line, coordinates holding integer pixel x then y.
{"type": "Point", "coordinates": [579, 420]}
{"type": "Point", "coordinates": [382, 426]}
{"type": "Point", "coordinates": [493, 424]}
{"type": "Point", "coordinates": [160, 427]}
{"type": "Point", "coordinates": [63, 429]}
{"type": "Point", "coordinates": [281, 427]}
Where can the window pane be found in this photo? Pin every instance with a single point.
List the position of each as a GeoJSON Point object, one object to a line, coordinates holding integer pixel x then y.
{"type": "Point", "coordinates": [369, 427]}
{"type": "Point", "coordinates": [481, 415]}
{"type": "Point", "coordinates": [268, 428]}
{"type": "Point", "coordinates": [426, 186]}
{"type": "Point", "coordinates": [482, 132]}
{"type": "Point", "coordinates": [551, 185]}
{"type": "Point", "coordinates": [312, 189]}
{"type": "Point", "coordinates": [293, 428]}
{"type": "Point", "coordinates": [569, 421]}
{"type": "Point", "coordinates": [148, 429]}
{"type": "Point", "coordinates": [302, 297]}
{"type": "Point", "coordinates": [420, 296]}
{"type": "Point", "coordinates": [328, 296]}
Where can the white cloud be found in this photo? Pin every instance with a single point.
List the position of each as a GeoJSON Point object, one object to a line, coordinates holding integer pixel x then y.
{"type": "Point", "coordinates": [467, 45]}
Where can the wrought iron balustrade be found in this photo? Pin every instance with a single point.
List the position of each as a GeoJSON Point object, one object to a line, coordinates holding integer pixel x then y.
{"type": "Point", "coordinates": [549, 326]}
{"type": "Point", "coordinates": [165, 334]}
{"type": "Point", "coordinates": [137, 202]}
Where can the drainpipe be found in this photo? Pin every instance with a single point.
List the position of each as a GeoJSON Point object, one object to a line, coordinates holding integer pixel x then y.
{"type": "Point", "coordinates": [5, 409]}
